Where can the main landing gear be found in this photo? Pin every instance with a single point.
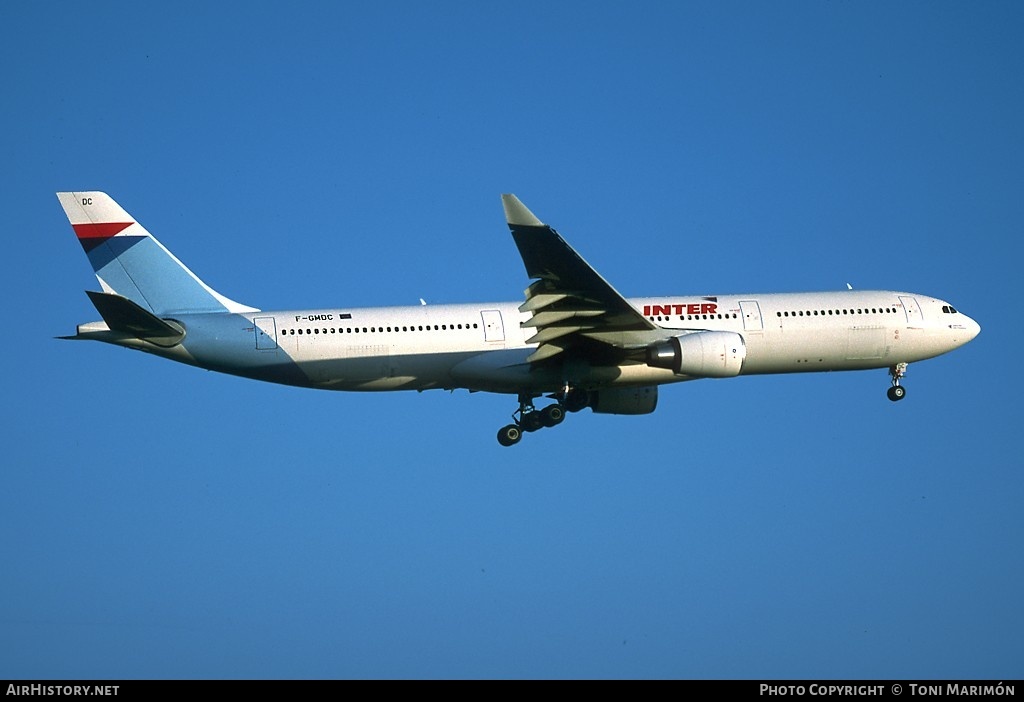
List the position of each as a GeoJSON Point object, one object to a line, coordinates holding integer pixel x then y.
{"type": "Point", "coordinates": [897, 392]}
{"type": "Point", "coordinates": [529, 419]}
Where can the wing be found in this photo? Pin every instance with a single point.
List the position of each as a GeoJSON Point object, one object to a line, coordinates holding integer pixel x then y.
{"type": "Point", "coordinates": [573, 306]}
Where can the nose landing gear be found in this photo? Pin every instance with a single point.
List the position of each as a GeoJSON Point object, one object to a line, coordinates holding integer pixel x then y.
{"type": "Point", "coordinates": [897, 392]}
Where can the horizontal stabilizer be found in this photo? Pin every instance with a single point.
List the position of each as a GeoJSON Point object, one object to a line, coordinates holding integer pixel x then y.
{"type": "Point", "coordinates": [123, 315]}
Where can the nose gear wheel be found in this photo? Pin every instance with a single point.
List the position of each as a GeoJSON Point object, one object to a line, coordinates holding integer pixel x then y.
{"type": "Point", "coordinates": [897, 392]}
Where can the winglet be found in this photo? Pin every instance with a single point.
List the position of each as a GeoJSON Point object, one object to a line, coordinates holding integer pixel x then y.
{"type": "Point", "coordinates": [516, 213]}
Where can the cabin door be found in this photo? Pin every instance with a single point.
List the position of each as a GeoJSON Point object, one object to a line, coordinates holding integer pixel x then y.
{"type": "Point", "coordinates": [266, 333]}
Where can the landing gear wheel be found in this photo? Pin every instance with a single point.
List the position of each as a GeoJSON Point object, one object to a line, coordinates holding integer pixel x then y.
{"type": "Point", "coordinates": [531, 421]}
{"type": "Point", "coordinates": [897, 392]}
{"type": "Point", "coordinates": [509, 435]}
{"type": "Point", "coordinates": [552, 415]}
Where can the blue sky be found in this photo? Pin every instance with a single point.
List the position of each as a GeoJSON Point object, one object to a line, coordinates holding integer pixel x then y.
{"type": "Point", "coordinates": [161, 521]}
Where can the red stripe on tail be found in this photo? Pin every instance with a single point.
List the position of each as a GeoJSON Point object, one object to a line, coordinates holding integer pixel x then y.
{"type": "Point", "coordinates": [100, 230]}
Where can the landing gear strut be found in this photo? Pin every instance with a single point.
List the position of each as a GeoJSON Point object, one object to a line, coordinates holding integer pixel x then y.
{"type": "Point", "coordinates": [529, 419]}
{"type": "Point", "coordinates": [897, 392]}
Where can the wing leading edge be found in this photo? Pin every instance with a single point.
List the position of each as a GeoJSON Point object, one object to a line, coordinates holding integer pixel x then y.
{"type": "Point", "coordinates": [570, 301]}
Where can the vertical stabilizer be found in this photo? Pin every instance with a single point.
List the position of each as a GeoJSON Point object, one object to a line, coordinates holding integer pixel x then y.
{"type": "Point", "coordinates": [130, 262]}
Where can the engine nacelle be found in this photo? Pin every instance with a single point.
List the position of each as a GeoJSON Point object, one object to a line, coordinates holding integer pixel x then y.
{"type": "Point", "coordinates": [707, 354]}
{"type": "Point", "coordinates": [630, 400]}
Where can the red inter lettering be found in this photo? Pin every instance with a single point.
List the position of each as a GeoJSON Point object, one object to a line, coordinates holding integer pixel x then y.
{"type": "Point", "coordinates": [680, 309]}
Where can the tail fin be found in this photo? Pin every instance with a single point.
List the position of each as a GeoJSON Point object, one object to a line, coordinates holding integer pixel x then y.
{"type": "Point", "coordinates": [130, 262]}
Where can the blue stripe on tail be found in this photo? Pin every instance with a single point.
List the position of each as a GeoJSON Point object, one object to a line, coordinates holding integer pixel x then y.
{"type": "Point", "coordinates": [140, 269]}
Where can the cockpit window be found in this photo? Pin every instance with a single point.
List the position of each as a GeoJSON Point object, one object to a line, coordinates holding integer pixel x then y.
{"type": "Point", "coordinates": [949, 309]}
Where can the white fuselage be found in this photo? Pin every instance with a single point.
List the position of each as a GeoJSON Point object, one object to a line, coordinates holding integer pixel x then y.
{"type": "Point", "coordinates": [484, 346]}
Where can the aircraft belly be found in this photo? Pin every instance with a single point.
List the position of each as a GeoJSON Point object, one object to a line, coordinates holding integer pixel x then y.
{"type": "Point", "coordinates": [382, 369]}
{"type": "Point", "coordinates": [816, 349]}
{"type": "Point", "coordinates": [348, 364]}
{"type": "Point", "coordinates": [508, 371]}
{"type": "Point", "coordinates": [504, 371]}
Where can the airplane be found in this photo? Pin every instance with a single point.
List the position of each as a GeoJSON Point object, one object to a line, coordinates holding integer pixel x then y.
{"type": "Point", "coordinates": [574, 338]}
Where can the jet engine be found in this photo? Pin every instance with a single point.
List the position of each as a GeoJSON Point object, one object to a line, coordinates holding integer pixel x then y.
{"type": "Point", "coordinates": [628, 400]}
{"type": "Point", "coordinates": [707, 354]}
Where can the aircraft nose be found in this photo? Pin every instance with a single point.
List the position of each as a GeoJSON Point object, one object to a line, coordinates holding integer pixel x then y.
{"type": "Point", "coordinates": [973, 328]}
{"type": "Point", "coordinates": [964, 330]}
